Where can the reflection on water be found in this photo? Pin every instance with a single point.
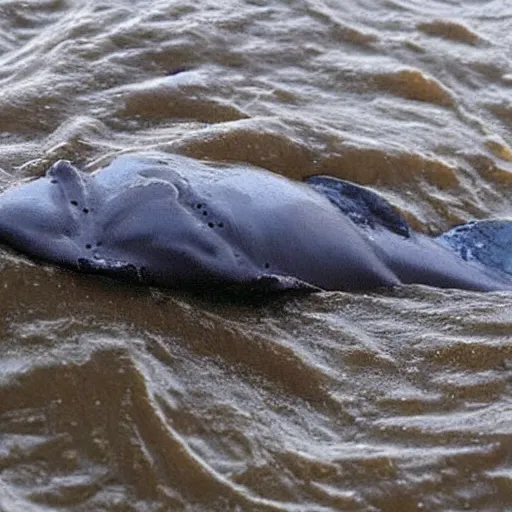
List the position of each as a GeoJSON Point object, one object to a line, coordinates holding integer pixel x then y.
{"type": "Point", "coordinates": [114, 397]}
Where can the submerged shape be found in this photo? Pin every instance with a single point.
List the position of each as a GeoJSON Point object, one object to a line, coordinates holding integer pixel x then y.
{"type": "Point", "coordinates": [177, 222]}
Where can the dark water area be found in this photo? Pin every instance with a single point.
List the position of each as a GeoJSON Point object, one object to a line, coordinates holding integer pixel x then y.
{"type": "Point", "coordinates": [119, 398]}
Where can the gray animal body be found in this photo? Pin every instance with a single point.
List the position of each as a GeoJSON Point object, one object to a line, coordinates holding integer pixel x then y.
{"type": "Point", "coordinates": [173, 221]}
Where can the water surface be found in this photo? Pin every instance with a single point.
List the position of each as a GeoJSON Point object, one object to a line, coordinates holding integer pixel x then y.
{"type": "Point", "coordinates": [114, 397]}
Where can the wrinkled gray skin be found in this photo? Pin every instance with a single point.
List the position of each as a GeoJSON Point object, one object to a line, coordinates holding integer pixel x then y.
{"type": "Point", "coordinates": [177, 222]}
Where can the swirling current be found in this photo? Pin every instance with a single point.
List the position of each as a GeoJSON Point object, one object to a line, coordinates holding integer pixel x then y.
{"type": "Point", "coordinates": [120, 398]}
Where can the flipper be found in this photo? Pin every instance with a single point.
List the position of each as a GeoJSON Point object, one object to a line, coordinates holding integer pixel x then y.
{"type": "Point", "coordinates": [488, 241]}
{"type": "Point", "coordinates": [364, 207]}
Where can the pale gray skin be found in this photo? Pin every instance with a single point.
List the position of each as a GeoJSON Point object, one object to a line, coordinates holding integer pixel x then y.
{"type": "Point", "coordinates": [176, 222]}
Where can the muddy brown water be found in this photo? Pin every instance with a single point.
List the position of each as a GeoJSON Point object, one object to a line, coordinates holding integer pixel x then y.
{"type": "Point", "coordinates": [119, 398]}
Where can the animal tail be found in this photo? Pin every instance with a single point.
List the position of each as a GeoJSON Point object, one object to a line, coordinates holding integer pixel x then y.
{"type": "Point", "coordinates": [488, 242]}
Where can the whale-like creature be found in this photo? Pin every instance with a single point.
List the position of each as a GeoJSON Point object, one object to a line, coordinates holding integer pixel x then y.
{"type": "Point", "coordinates": [172, 221]}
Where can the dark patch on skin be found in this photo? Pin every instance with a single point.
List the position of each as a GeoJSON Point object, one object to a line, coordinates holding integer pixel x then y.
{"type": "Point", "coordinates": [363, 206]}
